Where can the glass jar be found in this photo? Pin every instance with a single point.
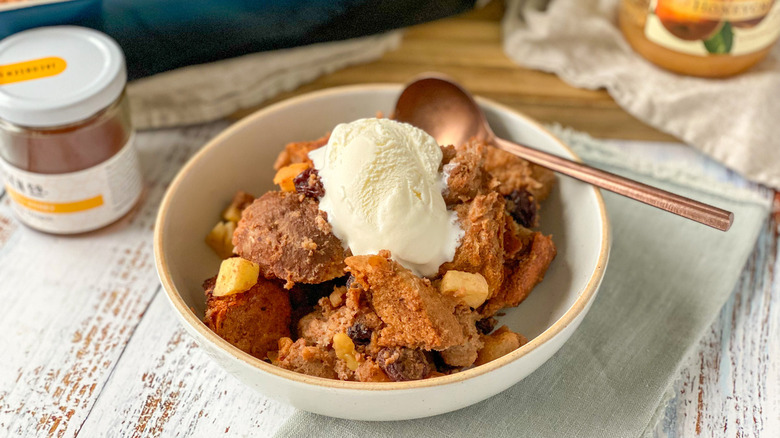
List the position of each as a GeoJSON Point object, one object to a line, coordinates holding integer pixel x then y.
{"type": "Point", "coordinates": [707, 38]}
{"type": "Point", "coordinates": [66, 140]}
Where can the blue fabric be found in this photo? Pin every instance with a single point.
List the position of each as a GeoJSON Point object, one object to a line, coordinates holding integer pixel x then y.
{"type": "Point", "coordinates": [160, 35]}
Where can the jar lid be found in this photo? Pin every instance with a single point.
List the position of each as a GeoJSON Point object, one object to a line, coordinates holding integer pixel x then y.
{"type": "Point", "coordinates": [58, 75]}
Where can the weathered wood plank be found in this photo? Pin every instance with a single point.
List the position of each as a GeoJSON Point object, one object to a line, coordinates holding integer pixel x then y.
{"type": "Point", "coordinates": [8, 225]}
{"type": "Point", "coordinates": [72, 303]}
{"type": "Point", "coordinates": [164, 385]}
{"type": "Point", "coordinates": [471, 53]}
{"type": "Point", "coordinates": [461, 29]}
{"type": "Point", "coordinates": [731, 386]}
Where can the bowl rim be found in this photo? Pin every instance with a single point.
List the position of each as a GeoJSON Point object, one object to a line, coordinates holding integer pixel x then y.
{"type": "Point", "coordinates": [584, 297]}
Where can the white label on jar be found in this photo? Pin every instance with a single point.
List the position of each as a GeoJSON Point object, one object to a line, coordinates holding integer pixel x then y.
{"type": "Point", "coordinates": [75, 202]}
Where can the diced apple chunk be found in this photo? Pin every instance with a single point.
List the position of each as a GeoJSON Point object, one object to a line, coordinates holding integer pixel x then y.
{"type": "Point", "coordinates": [230, 228]}
{"type": "Point", "coordinates": [236, 275]}
{"type": "Point", "coordinates": [220, 239]}
{"type": "Point", "coordinates": [345, 350]}
{"type": "Point", "coordinates": [240, 201]}
{"type": "Point", "coordinates": [285, 177]}
{"type": "Point", "coordinates": [471, 289]}
{"type": "Point", "coordinates": [499, 343]}
{"type": "Point", "coordinates": [232, 214]}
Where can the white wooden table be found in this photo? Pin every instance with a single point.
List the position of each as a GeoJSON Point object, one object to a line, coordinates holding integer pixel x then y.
{"type": "Point", "coordinates": [90, 348]}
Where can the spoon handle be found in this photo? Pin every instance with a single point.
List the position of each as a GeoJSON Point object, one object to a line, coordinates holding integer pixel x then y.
{"type": "Point", "coordinates": [679, 205]}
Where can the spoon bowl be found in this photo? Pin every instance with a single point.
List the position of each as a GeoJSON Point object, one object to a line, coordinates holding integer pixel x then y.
{"type": "Point", "coordinates": [443, 109]}
{"type": "Point", "coordinates": [450, 114]}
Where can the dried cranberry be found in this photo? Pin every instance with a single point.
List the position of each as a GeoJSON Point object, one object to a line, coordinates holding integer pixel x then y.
{"type": "Point", "coordinates": [486, 325]}
{"type": "Point", "coordinates": [359, 333]}
{"type": "Point", "coordinates": [522, 206]}
{"type": "Point", "coordinates": [402, 364]}
{"type": "Point", "coordinates": [308, 183]}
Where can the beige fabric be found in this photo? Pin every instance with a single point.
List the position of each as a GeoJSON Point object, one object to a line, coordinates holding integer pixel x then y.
{"type": "Point", "coordinates": [211, 91]}
{"type": "Point", "coordinates": [732, 120]}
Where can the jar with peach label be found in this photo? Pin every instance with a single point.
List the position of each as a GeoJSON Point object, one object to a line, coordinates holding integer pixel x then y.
{"type": "Point", "coordinates": [707, 38]}
{"type": "Point", "coordinates": [66, 142]}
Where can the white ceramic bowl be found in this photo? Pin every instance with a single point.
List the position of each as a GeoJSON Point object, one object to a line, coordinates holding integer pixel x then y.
{"type": "Point", "coordinates": [242, 158]}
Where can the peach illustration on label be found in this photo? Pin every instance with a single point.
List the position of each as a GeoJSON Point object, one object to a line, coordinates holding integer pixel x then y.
{"type": "Point", "coordinates": [684, 24]}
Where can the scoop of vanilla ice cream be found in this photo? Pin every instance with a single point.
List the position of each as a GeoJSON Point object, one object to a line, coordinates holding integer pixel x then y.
{"type": "Point", "coordinates": [383, 191]}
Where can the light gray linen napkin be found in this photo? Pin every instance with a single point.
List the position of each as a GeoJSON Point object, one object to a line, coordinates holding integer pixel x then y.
{"type": "Point", "coordinates": [206, 92]}
{"type": "Point", "coordinates": [666, 282]}
{"type": "Point", "coordinates": [732, 120]}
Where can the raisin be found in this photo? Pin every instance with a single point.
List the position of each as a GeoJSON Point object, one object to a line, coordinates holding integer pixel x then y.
{"type": "Point", "coordinates": [402, 364]}
{"type": "Point", "coordinates": [442, 366]}
{"type": "Point", "coordinates": [308, 183]}
{"type": "Point", "coordinates": [486, 325]}
{"type": "Point", "coordinates": [359, 333]}
{"type": "Point", "coordinates": [522, 206]}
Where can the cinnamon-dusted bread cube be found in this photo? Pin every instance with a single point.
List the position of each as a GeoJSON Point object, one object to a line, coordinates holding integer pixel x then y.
{"type": "Point", "coordinates": [370, 371]}
{"type": "Point", "coordinates": [414, 313]}
{"type": "Point", "coordinates": [523, 275]}
{"type": "Point", "coordinates": [290, 238]}
{"type": "Point", "coordinates": [482, 248]}
{"type": "Point", "coordinates": [515, 173]}
{"type": "Point", "coordinates": [466, 175]}
{"type": "Point", "coordinates": [298, 152]}
{"type": "Point", "coordinates": [517, 240]}
{"type": "Point", "coordinates": [297, 356]}
{"type": "Point", "coordinates": [465, 354]}
{"type": "Point", "coordinates": [251, 320]}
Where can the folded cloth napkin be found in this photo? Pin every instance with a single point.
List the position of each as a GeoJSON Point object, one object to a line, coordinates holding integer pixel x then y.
{"type": "Point", "coordinates": [666, 280]}
{"type": "Point", "coordinates": [211, 91]}
{"type": "Point", "coordinates": [732, 120]}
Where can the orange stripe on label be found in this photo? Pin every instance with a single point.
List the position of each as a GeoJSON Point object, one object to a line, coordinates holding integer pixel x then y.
{"type": "Point", "coordinates": [55, 207]}
{"type": "Point", "coordinates": [29, 70]}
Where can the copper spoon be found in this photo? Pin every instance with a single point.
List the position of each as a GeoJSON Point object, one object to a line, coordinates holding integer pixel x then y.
{"type": "Point", "coordinates": [449, 113]}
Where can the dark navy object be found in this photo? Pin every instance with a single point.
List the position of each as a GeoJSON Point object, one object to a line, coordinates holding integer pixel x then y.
{"type": "Point", "coordinates": [160, 35]}
{"type": "Point", "coordinates": [16, 17]}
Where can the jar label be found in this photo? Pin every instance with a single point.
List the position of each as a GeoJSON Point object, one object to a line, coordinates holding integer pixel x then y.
{"type": "Point", "coordinates": [78, 201]}
{"type": "Point", "coordinates": [713, 27]}
{"type": "Point", "coordinates": [29, 70]}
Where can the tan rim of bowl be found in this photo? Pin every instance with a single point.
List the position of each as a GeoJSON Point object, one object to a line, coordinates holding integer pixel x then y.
{"type": "Point", "coordinates": [189, 316]}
